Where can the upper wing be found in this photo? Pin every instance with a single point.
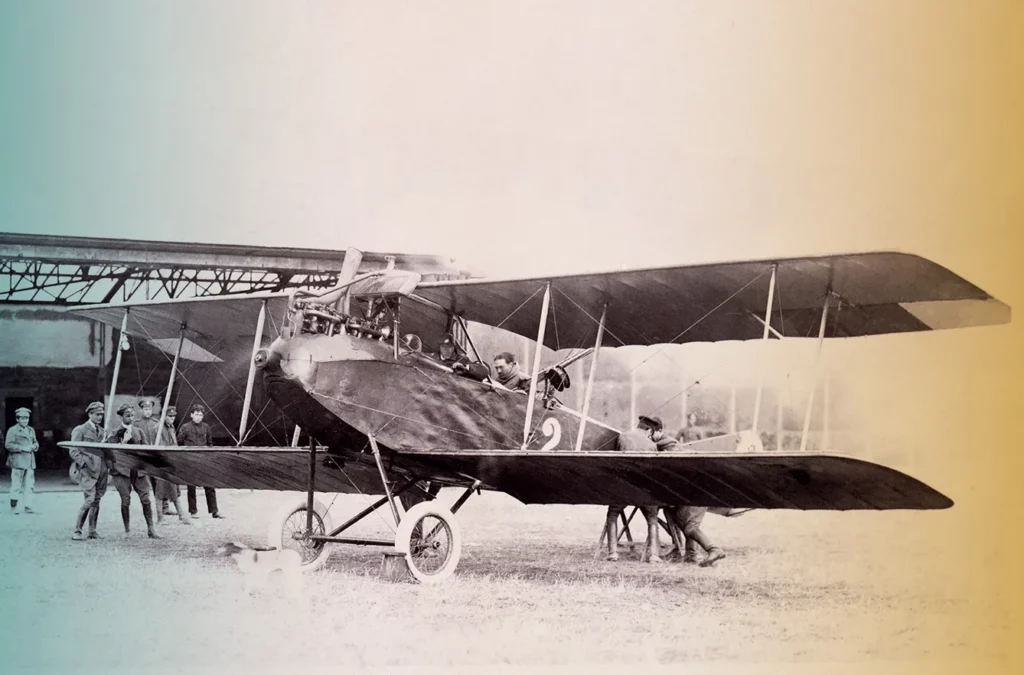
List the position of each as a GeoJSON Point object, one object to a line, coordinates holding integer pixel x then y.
{"type": "Point", "coordinates": [879, 292]}
{"type": "Point", "coordinates": [713, 479]}
{"type": "Point", "coordinates": [209, 323]}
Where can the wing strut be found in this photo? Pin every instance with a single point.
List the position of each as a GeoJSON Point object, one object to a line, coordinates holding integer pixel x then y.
{"type": "Point", "coordinates": [817, 372]}
{"type": "Point", "coordinates": [170, 386]}
{"type": "Point", "coordinates": [536, 363]}
{"type": "Point", "coordinates": [764, 338]}
{"type": "Point", "coordinates": [121, 341]}
{"type": "Point", "coordinates": [590, 379]}
{"type": "Point", "coordinates": [251, 380]}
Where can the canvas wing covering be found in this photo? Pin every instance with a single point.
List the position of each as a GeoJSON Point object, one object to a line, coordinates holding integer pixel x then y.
{"type": "Point", "coordinates": [873, 293]}
{"type": "Point", "coordinates": [719, 479]}
{"type": "Point", "coordinates": [210, 324]}
{"type": "Point", "coordinates": [246, 468]}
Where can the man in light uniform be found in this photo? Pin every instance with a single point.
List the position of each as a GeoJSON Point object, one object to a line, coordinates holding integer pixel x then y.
{"type": "Point", "coordinates": [129, 434]}
{"type": "Point", "coordinates": [21, 445]}
{"type": "Point", "coordinates": [91, 470]}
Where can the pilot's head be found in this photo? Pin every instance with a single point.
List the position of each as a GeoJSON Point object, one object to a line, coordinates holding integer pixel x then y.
{"type": "Point", "coordinates": [172, 414]}
{"type": "Point", "coordinates": [448, 350]}
{"type": "Point", "coordinates": [21, 416]}
{"type": "Point", "coordinates": [505, 365]}
{"type": "Point", "coordinates": [146, 407]}
{"type": "Point", "coordinates": [652, 425]}
{"type": "Point", "coordinates": [197, 413]}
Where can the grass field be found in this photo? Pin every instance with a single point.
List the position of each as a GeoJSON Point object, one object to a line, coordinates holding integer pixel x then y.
{"type": "Point", "coordinates": [796, 587]}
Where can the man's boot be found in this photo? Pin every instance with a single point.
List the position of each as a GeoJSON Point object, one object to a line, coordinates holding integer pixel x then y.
{"type": "Point", "coordinates": [612, 527]}
{"type": "Point", "coordinates": [691, 551]}
{"type": "Point", "coordinates": [126, 518]}
{"type": "Point", "coordinates": [147, 513]}
{"type": "Point", "coordinates": [714, 555]}
{"type": "Point", "coordinates": [14, 506]}
{"type": "Point", "coordinates": [182, 516]}
{"type": "Point", "coordinates": [652, 548]}
{"type": "Point", "coordinates": [79, 522]}
{"type": "Point", "coordinates": [94, 515]}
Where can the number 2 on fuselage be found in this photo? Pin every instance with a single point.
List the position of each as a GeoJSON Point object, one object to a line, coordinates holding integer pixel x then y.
{"type": "Point", "coordinates": [552, 428]}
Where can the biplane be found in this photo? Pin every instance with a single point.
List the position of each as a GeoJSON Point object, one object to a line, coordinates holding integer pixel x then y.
{"type": "Point", "coordinates": [358, 367]}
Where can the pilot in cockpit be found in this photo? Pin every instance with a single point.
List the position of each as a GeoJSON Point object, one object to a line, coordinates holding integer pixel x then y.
{"type": "Point", "coordinates": [452, 354]}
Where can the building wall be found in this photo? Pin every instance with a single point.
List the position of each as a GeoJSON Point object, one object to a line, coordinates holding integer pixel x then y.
{"type": "Point", "coordinates": [52, 361]}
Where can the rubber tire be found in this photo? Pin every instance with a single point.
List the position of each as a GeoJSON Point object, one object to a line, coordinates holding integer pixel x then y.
{"type": "Point", "coordinates": [275, 531]}
{"type": "Point", "coordinates": [403, 539]}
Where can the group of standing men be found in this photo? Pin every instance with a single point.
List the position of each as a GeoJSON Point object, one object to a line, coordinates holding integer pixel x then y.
{"type": "Point", "coordinates": [93, 471]}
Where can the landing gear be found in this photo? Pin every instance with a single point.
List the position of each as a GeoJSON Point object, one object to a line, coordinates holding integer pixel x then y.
{"type": "Point", "coordinates": [431, 540]}
{"type": "Point", "coordinates": [428, 536]}
{"type": "Point", "coordinates": [288, 530]}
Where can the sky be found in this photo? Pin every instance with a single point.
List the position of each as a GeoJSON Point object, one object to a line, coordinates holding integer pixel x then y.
{"type": "Point", "coordinates": [536, 137]}
{"type": "Point", "coordinates": [530, 138]}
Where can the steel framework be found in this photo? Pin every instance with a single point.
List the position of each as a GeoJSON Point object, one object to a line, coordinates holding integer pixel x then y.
{"type": "Point", "coordinates": [78, 270]}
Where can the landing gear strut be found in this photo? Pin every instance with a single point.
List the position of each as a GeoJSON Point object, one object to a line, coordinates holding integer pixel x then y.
{"type": "Point", "coordinates": [428, 535]}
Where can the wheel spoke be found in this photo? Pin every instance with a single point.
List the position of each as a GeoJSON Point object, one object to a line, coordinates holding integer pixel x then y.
{"type": "Point", "coordinates": [430, 553]}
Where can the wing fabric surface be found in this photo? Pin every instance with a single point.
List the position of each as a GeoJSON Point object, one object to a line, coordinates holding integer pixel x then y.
{"type": "Point", "coordinates": [879, 293]}
{"type": "Point", "coordinates": [245, 468]}
{"type": "Point", "coordinates": [721, 479]}
{"type": "Point", "coordinates": [209, 322]}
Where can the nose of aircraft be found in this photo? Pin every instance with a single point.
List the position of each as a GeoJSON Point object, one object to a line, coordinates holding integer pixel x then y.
{"type": "Point", "coordinates": [287, 359]}
{"type": "Point", "coordinates": [267, 359]}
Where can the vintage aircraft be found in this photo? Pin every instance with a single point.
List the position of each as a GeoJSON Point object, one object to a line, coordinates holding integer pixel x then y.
{"type": "Point", "coordinates": [361, 369]}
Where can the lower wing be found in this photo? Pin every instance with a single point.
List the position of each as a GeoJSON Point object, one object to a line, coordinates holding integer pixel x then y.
{"type": "Point", "coordinates": [719, 480]}
{"type": "Point", "coordinates": [250, 468]}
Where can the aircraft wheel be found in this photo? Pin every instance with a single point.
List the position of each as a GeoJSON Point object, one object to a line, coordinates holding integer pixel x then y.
{"type": "Point", "coordinates": [288, 531]}
{"type": "Point", "coordinates": [431, 540]}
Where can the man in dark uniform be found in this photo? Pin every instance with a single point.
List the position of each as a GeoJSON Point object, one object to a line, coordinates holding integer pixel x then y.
{"type": "Point", "coordinates": [129, 434]}
{"type": "Point", "coordinates": [164, 490]}
{"type": "Point", "coordinates": [91, 470]}
{"type": "Point", "coordinates": [454, 356]}
{"type": "Point", "coordinates": [639, 439]}
{"type": "Point", "coordinates": [196, 434]}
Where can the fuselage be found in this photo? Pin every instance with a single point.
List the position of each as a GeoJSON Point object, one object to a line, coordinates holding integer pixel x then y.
{"type": "Point", "coordinates": [342, 388]}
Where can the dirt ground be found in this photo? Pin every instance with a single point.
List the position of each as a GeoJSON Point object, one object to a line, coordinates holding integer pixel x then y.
{"type": "Point", "coordinates": [803, 588]}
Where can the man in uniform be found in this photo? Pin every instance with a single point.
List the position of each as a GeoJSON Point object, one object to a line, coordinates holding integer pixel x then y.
{"type": "Point", "coordinates": [162, 490]}
{"type": "Point", "coordinates": [509, 374]}
{"type": "Point", "coordinates": [691, 432]}
{"type": "Point", "coordinates": [129, 434]}
{"type": "Point", "coordinates": [21, 445]}
{"type": "Point", "coordinates": [196, 434]}
{"type": "Point", "coordinates": [662, 442]}
{"type": "Point", "coordinates": [92, 470]}
{"type": "Point", "coordinates": [165, 490]}
{"type": "Point", "coordinates": [638, 439]}
{"type": "Point", "coordinates": [689, 518]}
